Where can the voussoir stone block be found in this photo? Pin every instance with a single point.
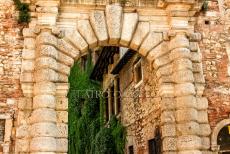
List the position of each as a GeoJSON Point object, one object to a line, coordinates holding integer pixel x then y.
{"type": "Point", "coordinates": [129, 24]}
{"type": "Point", "coordinates": [97, 19]}
{"type": "Point", "coordinates": [114, 22]}
{"type": "Point", "coordinates": [43, 115]}
{"type": "Point", "coordinates": [46, 50]}
{"type": "Point", "coordinates": [63, 69]}
{"type": "Point", "coordinates": [179, 41]}
{"type": "Point", "coordinates": [151, 41]}
{"type": "Point", "coordinates": [63, 58]}
{"type": "Point", "coordinates": [68, 49]}
{"type": "Point", "coordinates": [188, 142]}
{"type": "Point", "coordinates": [189, 128]}
{"type": "Point", "coordinates": [46, 38]}
{"type": "Point", "coordinates": [189, 114]}
{"type": "Point", "coordinates": [141, 32]}
{"type": "Point", "coordinates": [87, 32]}
{"type": "Point", "coordinates": [158, 51]}
{"type": "Point", "coordinates": [183, 76]}
{"type": "Point", "coordinates": [44, 88]}
{"type": "Point", "coordinates": [43, 129]}
{"type": "Point", "coordinates": [77, 40]}
{"type": "Point", "coordinates": [184, 89]}
{"type": "Point", "coordinates": [43, 144]}
{"type": "Point", "coordinates": [44, 101]}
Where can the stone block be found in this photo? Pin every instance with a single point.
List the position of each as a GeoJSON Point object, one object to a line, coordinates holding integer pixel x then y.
{"type": "Point", "coordinates": [97, 19]}
{"type": "Point", "coordinates": [68, 49]}
{"type": "Point", "coordinates": [179, 41]}
{"type": "Point", "coordinates": [63, 58]}
{"type": "Point", "coordinates": [169, 144]}
{"type": "Point", "coordinates": [62, 116]}
{"type": "Point", "coordinates": [158, 51]}
{"type": "Point", "coordinates": [27, 77]}
{"type": "Point", "coordinates": [152, 40]}
{"type": "Point", "coordinates": [166, 90]}
{"type": "Point", "coordinates": [44, 88]}
{"type": "Point", "coordinates": [186, 102]}
{"type": "Point", "coordinates": [62, 104]}
{"type": "Point", "coordinates": [46, 62]}
{"type": "Point", "coordinates": [189, 128]}
{"type": "Point", "coordinates": [167, 104]}
{"type": "Point", "coordinates": [77, 40]}
{"type": "Point", "coordinates": [22, 145]}
{"type": "Point", "coordinates": [168, 130]}
{"type": "Point", "coordinates": [180, 53]}
{"type": "Point", "coordinates": [161, 61]}
{"type": "Point", "coordinates": [197, 67]}
{"type": "Point", "coordinates": [203, 116]}
{"type": "Point", "coordinates": [46, 38]}
{"type": "Point", "coordinates": [62, 130]}
{"type": "Point", "coordinates": [165, 70]}
{"type": "Point", "coordinates": [184, 89]}
{"type": "Point", "coordinates": [45, 129]}
{"type": "Point", "coordinates": [196, 57]}
{"type": "Point", "coordinates": [28, 54]}
{"type": "Point", "coordinates": [47, 50]}
{"type": "Point", "coordinates": [114, 22]}
{"type": "Point", "coordinates": [199, 89]}
{"type": "Point", "coordinates": [27, 65]}
{"type": "Point", "coordinates": [182, 64]}
{"type": "Point", "coordinates": [190, 152]}
{"type": "Point", "coordinates": [29, 43]}
{"type": "Point", "coordinates": [184, 115]}
{"type": "Point", "coordinates": [183, 76]}
{"type": "Point", "coordinates": [43, 115]}
{"type": "Point", "coordinates": [47, 74]}
{"type": "Point", "coordinates": [167, 117]}
{"type": "Point", "coordinates": [63, 69]}
{"type": "Point", "coordinates": [188, 142]}
{"type": "Point", "coordinates": [28, 32]}
{"type": "Point", "coordinates": [22, 132]}
{"type": "Point", "coordinates": [199, 77]}
{"type": "Point", "coordinates": [205, 130]}
{"type": "Point", "coordinates": [194, 46]}
{"type": "Point", "coordinates": [44, 101]}
{"type": "Point", "coordinates": [195, 37]}
{"type": "Point", "coordinates": [139, 35]}
{"type": "Point", "coordinates": [202, 103]}
{"type": "Point", "coordinates": [62, 78]}
{"type": "Point", "coordinates": [43, 144]}
{"type": "Point", "coordinates": [87, 32]}
{"type": "Point", "coordinates": [129, 25]}
{"type": "Point", "coordinates": [205, 143]}
{"type": "Point", "coordinates": [25, 103]}
{"type": "Point", "coordinates": [62, 145]}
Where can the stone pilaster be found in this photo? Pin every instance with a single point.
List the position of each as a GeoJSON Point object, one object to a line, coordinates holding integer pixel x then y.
{"type": "Point", "coordinates": [43, 119]}
{"type": "Point", "coordinates": [227, 29]}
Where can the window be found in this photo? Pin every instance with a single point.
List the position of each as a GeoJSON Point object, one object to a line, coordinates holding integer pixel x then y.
{"type": "Point", "coordinates": [152, 146]}
{"type": "Point", "coordinates": [138, 73]}
{"type": "Point", "coordinates": [131, 150]}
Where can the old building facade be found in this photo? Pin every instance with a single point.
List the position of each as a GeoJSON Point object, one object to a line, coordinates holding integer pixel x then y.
{"type": "Point", "coordinates": [185, 54]}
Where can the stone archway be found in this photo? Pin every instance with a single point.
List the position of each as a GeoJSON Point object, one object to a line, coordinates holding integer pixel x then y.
{"type": "Point", "coordinates": [48, 56]}
{"type": "Point", "coordinates": [215, 133]}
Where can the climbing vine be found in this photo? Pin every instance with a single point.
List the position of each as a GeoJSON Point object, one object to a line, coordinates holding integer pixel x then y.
{"type": "Point", "coordinates": [87, 131]}
{"type": "Point", "coordinates": [23, 8]}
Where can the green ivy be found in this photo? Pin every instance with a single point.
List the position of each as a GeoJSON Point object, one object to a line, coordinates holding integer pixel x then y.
{"type": "Point", "coordinates": [87, 131]}
{"type": "Point", "coordinates": [24, 15]}
{"type": "Point", "coordinates": [205, 6]}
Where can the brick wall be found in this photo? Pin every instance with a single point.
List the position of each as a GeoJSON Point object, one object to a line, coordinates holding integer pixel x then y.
{"type": "Point", "coordinates": [11, 45]}
{"type": "Point", "coordinates": [215, 63]}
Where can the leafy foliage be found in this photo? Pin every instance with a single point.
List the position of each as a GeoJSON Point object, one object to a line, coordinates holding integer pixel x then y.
{"type": "Point", "coordinates": [87, 131]}
{"type": "Point", "coordinates": [205, 6]}
{"type": "Point", "coordinates": [24, 16]}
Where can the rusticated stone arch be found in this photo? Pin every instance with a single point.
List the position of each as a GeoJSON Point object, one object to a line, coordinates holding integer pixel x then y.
{"type": "Point", "coordinates": [216, 131]}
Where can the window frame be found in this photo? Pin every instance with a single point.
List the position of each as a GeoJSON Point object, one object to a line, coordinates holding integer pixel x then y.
{"type": "Point", "coordinates": [138, 63]}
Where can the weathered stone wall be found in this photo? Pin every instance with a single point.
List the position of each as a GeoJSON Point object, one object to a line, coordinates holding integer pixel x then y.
{"type": "Point", "coordinates": [140, 107]}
